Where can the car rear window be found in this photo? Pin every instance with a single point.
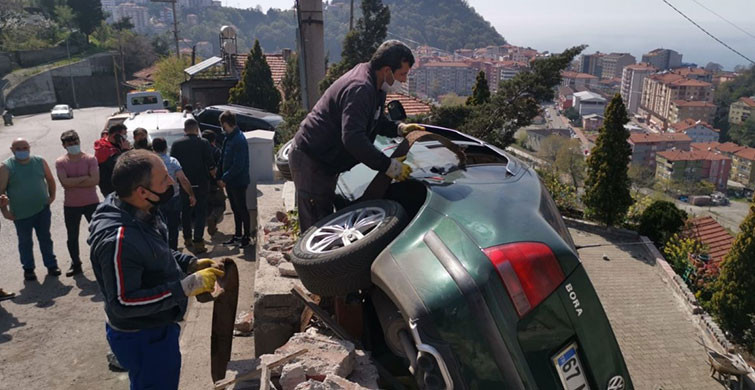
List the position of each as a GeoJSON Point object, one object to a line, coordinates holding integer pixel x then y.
{"type": "Point", "coordinates": [209, 117]}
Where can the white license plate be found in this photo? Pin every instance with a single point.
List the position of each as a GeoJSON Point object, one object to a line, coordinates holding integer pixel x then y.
{"type": "Point", "coordinates": [570, 369]}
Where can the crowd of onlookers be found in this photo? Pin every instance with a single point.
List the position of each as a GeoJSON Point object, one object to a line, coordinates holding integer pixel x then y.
{"type": "Point", "coordinates": [202, 172]}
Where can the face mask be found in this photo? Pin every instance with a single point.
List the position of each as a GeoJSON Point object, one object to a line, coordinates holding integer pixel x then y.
{"type": "Point", "coordinates": [164, 196]}
{"type": "Point", "coordinates": [22, 154]}
{"type": "Point", "coordinates": [392, 88]}
{"type": "Point", "coordinates": [73, 149]}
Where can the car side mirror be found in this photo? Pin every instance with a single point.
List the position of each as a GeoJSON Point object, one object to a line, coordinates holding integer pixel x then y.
{"type": "Point", "coordinates": [396, 111]}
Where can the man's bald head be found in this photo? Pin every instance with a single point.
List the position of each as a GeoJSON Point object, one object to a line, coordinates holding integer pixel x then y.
{"type": "Point", "coordinates": [21, 143]}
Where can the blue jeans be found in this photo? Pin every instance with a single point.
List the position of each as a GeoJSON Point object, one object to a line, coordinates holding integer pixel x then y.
{"type": "Point", "coordinates": [39, 223]}
{"type": "Point", "coordinates": [172, 213]}
{"type": "Point", "coordinates": [151, 356]}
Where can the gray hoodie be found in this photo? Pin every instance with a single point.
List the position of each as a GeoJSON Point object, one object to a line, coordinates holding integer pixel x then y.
{"type": "Point", "coordinates": [138, 273]}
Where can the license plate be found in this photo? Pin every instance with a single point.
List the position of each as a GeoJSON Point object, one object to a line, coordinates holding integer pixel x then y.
{"type": "Point", "coordinates": [570, 369]}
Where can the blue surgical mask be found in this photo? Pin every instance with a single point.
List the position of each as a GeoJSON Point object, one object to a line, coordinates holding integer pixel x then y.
{"type": "Point", "coordinates": [22, 154]}
{"type": "Point", "coordinates": [73, 149]}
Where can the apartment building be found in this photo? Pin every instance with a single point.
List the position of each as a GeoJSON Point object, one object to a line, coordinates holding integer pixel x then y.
{"type": "Point", "coordinates": [612, 65]}
{"type": "Point", "coordinates": [439, 78]}
{"type": "Point", "coordinates": [631, 84]}
{"type": "Point", "coordinates": [696, 110]}
{"type": "Point", "coordinates": [698, 74]}
{"type": "Point", "coordinates": [578, 80]}
{"type": "Point", "coordinates": [661, 89]}
{"type": "Point", "coordinates": [645, 146]}
{"type": "Point", "coordinates": [139, 15]}
{"type": "Point", "coordinates": [743, 169]}
{"type": "Point", "coordinates": [663, 59]}
{"type": "Point", "coordinates": [741, 110]}
{"type": "Point", "coordinates": [699, 131]}
{"type": "Point", "coordinates": [587, 103]}
{"type": "Point", "coordinates": [693, 166]}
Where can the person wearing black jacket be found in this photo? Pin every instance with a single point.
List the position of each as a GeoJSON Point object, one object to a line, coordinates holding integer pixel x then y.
{"type": "Point", "coordinates": [195, 156]}
{"type": "Point", "coordinates": [340, 130]}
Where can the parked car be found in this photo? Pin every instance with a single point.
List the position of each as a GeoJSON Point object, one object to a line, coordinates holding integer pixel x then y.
{"type": "Point", "coordinates": [144, 101]}
{"type": "Point", "coordinates": [116, 118]}
{"type": "Point", "coordinates": [247, 118]}
{"type": "Point", "coordinates": [61, 111]}
{"type": "Point", "coordinates": [168, 125]}
{"type": "Point", "coordinates": [473, 276]}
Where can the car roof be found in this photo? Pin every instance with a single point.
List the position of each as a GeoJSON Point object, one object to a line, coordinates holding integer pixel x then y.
{"type": "Point", "coordinates": [60, 106]}
{"type": "Point", "coordinates": [237, 109]}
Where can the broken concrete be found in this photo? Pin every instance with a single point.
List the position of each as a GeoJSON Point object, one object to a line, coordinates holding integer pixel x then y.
{"type": "Point", "coordinates": [325, 355]}
{"type": "Point", "coordinates": [286, 269]}
{"type": "Point", "coordinates": [292, 375]}
{"type": "Point", "coordinates": [365, 373]}
{"type": "Point", "coordinates": [331, 382]}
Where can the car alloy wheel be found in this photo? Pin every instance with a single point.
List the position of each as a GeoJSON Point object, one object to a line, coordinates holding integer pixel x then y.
{"type": "Point", "coordinates": [345, 229]}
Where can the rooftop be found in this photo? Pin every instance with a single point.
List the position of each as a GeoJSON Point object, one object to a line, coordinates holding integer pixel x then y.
{"type": "Point", "coordinates": [412, 105]}
{"type": "Point", "coordinates": [641, 138]}
{"type": "Point", "coordinates": [693, 103]}
{"type": "Point", "coordinates": [712, 234]}
{"type": "Point", "coordinates": [690, 123]}
{"type": "Point", "coordinates": [641, 66]}
{"type": "Point", "coordinates": [691, 155]}
{"type": "Point", "coordinates": [588, 95]}
{"type": "Point", "coordinates": [576, 75]}
{"type": "Point", "coordinates": [686, 71]}
{"type": "Point", "coordinates": [746, 153]}
{"type": "Point", "coordinates": [275, 61]}
{"type": "Point", "coordinates": [447, 64]}
{"type": "Point", "coordinates": [750, 101]}
{"type": "Point", "coordinates": [726, 147]}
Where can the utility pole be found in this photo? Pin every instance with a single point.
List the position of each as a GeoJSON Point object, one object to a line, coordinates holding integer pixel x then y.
{"type": "Point", "coordinates": [312, 48]}
{"type": "Point", "coordinates": [70, 73]}
{"type": "Point", "coordinates": [351, 16]}
{"type": "Point", "coordinates": [175, 21]}
{"type": "Point", "coordinates": [117, 85]}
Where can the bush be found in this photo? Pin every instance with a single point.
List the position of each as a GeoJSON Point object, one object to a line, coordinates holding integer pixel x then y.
{"type": "Point", "coordinates": [660, 221]}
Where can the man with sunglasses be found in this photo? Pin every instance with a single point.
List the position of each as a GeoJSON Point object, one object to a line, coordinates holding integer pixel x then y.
{"type": "Point", "coordinates": [79, 175]}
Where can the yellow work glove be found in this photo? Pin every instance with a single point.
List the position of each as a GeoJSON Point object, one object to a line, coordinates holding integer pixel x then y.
{"type": "Point", "coordinates": [398, 170]}
{"type": "Point", "coordinates": [201, 281]}
{"type": "Point", "coordinates": [202, 264]}
{"type": "Point", "coordinates": [406, 128]}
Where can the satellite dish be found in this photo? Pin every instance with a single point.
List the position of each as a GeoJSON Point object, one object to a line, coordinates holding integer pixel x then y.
{"type": "Point", "coordinates": [227, 32]}
{"type": "Point", "coordinates": [229, 47]}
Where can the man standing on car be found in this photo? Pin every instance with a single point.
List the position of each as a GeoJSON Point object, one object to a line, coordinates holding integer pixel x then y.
{"type": "Point", "coordinates": [194, 154]}
{"type": "Point", "coordinates": [234, 177]}
{"type": "Point", "coordinates": [78, 174]}
{"type": "Point", "coordinates": [340, 130]}
{"type": "Point", "coordinates": [144, 282]}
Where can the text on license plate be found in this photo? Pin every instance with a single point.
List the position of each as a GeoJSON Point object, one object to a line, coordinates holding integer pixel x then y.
{"type": "Point", "coordinates": [570, 369]}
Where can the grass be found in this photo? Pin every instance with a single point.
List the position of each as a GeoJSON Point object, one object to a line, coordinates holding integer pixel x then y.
{"type": "Point", "coordinates": [28, 72]}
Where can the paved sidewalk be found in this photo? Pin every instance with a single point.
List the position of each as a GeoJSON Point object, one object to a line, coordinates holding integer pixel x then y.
{"type": "Point", "coordinates": [657, 334]}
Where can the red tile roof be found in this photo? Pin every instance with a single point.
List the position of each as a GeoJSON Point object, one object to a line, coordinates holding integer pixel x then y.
{"type": "Point", "coordinates": [447, 64]}
{"type": "Point", "coordinates": [691, 71]}
{"type": "Point", "coordinates": [678, 80]}
{"type": "Point", "coordinates": [747, 154]}
{"type": "Point", "coordinates": [640, 66]}
{"type": "Point", "coordinates": [693, 103]}
{"type": "Point", "coordinates": [412, 105]}
{"type": "Point", "coordinates": [748, 101]}
{"type": "Point", "coordinates": [275, 61]}
{"type": "Point", "coordinates": [710, 233]}
{"type": "Point", "coordinates": [576, 75]}
{"type": "Point", "coordinates": [642, 138]}
{"type": "Point", "coordinates": [726, 147]}
{"type": "Point", "coordinates": [689, 123]}
{"type": "Point", "coordinates": [691, 155]}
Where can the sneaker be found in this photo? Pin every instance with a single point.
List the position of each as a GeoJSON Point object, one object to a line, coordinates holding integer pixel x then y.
{"type": "Point", "coordinates": [199, 247]}
{"type": "Point", "coordinates": [114, 364]}
{"type": "Point", "coordinates": [74, 270]}
{"type": "Point", "coordinates": [233, 241]}
{"type": "Point", "coordinates": [30, 275]}
{"type": "Point", "coordinates": [4, 296]}
{"type": "Point", "coordinates": [245, 242]}
{"type": "Point", "coordinates": [54, 271]}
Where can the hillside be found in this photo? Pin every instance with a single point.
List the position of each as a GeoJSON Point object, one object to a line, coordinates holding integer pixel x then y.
{"type": "Point", "coordinates": [446, 24]}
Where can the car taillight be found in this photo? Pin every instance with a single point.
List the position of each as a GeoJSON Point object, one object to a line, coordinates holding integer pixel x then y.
{"type": "Point", "coordinates": [529, 270]}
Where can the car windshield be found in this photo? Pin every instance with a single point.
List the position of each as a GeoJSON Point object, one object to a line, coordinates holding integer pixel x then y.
{"type": "Point", "coordinates": [60, 107]}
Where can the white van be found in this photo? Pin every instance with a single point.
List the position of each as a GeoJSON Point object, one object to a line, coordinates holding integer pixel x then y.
{"type": "Point", "coordinates": [143, 101]}
{"type": "Point", "coordinates": [168, 125]}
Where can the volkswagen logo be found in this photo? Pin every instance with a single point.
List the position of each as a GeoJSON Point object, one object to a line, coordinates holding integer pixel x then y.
{"type": "Point", "coordinates": [616, 383]}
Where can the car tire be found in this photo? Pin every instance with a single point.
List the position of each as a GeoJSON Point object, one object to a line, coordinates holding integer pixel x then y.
{"type": "Point", "coordinates": [337, 269]}
{"type": "Point", "coordinates": [281, 160]}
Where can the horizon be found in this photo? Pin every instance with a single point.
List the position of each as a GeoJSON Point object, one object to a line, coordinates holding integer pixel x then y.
{"type": "Point", "coordinates": [659, 27]}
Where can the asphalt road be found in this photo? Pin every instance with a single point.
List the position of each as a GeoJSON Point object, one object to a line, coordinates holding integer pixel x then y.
{"type": "Point", "coordinates": [52, 335]}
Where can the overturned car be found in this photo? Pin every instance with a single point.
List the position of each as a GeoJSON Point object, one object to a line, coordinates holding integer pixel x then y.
{"type": "Point", "coordinates": [469, 269]}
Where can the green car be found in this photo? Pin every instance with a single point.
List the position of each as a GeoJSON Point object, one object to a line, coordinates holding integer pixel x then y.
{"type": "Point", "coordinates": [471, 271]}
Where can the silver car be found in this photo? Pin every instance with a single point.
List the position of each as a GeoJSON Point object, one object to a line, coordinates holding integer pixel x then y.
{"type": "Point", "coordinates": [61, 111]}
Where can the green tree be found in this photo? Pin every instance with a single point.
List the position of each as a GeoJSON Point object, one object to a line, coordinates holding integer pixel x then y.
{"type": "Point", "coordinates": [678, 249]}
{"type": "Point", "coordinates": [660, 221]}
{"type": "Point", "coordinates": [169, 75]}
{"type": "Point", "coordinates": [452, 99]}
{"type": "Point", "coordinates": [161, 45]}
{"type": "Point", "coordinates": [361, 42]}
{"type": "Point", "coordinates": [572, 114]}
{"type": "Point", "coordinates": [88, 15]}
{"type": "Point", "coordinates": [480, 91]}
{"type": "Point", "coordinates": [564, 195]}
{"type": "Point", "coordinates": [550, 146]}
{"type": "Point", "coordinates": [641, 176]}
{"type": "Point", "coordinates": [291, 108]}
{"type": "Point", "coordinates": [743, 134]}
{"type": "Point", "coordinates": [123, 24]}
{"type": "Point", "coordinates": [727, 93]}
{"type": "Point", "coordinates": [733, 301]}
{"type": "Point", "coordinates": [517, 101]}
{"type": "Point", "coordinates": [452, 117]}
{"type": "Point", "coordinates": [571, 161]}
{"type": "Point", "coordinates": [256, 88]}
{"type": "Point", "coordinates": [607, 196]}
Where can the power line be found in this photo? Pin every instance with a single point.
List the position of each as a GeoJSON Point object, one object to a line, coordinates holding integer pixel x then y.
{"type": "Point", "coordinates": [706, 32]}
{"type": "Point", "coordinates": [724, 19]}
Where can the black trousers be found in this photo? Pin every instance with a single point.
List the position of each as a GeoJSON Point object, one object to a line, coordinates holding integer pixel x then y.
{"type": "Point", "coordinates": [193, 219]}
{"type": "Point", "coordinates": [315, 188]}
{"type": "Point", "coordinates": [72, 217]}
{"type": "Point", "coordinates": [237, 199]}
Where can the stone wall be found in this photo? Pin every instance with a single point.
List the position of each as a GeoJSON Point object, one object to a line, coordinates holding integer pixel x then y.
{"type": "Point", "coordinates": [6, 64]}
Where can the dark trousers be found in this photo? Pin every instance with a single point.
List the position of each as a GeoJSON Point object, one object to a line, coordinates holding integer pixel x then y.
{"type": "Point", "coordinates": [194, 218]}
{"type": "Point", "coordinates": [315, 188]}
{"type": "Point", "coordinates": [151, 356]}
{"type": "Point", "coordinates": [172, 213]}
{"type": "Point", "coordinates": [72, 217]}
{"type": "Point", "coordinates": [39, 223]}
{"type": "Point", "coordinates": [237, 199]}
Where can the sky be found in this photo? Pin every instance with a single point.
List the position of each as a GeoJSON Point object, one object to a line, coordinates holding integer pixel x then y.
{"type": "Point", "coordinates": [634, 26]}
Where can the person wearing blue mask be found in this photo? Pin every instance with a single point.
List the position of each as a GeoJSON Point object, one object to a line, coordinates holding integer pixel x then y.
{"type": "Point", "coordinates": [30, 187]}
{"type": "Point", "coordinates": [79, 175]}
